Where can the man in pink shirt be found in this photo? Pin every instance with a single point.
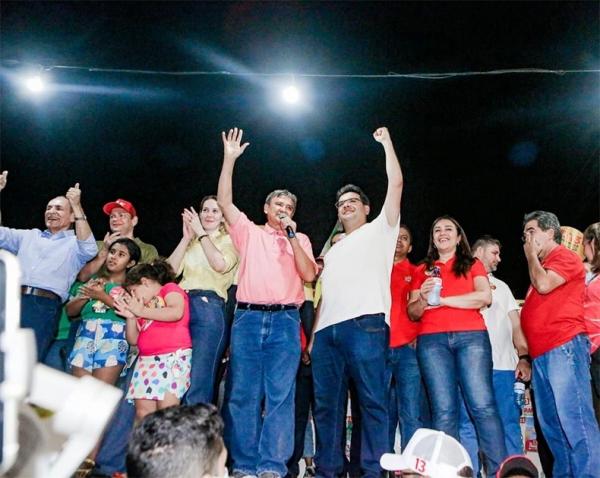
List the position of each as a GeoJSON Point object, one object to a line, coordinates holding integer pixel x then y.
{"type": "Point", "coordinates": [265, 337]}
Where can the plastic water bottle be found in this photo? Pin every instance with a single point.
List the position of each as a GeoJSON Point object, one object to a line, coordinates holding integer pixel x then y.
{"type": "Point", "coordinates": [434, 295]}
{"type": "Point", "coordinates": [519, 390]}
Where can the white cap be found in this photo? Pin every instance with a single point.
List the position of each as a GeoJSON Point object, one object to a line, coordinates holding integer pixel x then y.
{"type": "Point", "coordinates": [430, 453]}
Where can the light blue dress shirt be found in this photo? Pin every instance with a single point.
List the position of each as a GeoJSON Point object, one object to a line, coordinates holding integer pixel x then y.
{"type": "Point", "coordinates": [48, 261]}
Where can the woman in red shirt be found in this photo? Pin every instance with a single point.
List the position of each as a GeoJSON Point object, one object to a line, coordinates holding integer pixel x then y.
{"type": "Point", "coordinates": [453, 347]}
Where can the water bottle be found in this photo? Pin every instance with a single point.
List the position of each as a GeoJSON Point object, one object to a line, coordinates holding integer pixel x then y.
{"type": "Point", "coordinates": [434, 295]}
{"type": "Point", "coordinates": [519, 390]}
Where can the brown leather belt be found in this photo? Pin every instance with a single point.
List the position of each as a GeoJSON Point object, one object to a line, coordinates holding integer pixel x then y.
{"type": "Point", "coordinates": [28, 290]}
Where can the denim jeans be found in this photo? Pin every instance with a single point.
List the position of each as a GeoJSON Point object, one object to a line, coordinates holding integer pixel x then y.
{"type": "Point", "coordinates": [408, 401]}
{"type": "Point", "coordinates": [60, 349]}
{"type": "Point", "coordinates": [40, 314]}
{"type": "Point", "coordinates": [510, 414]}
{"type": "Point", "coordinates": [356, 349]}
{"type": "Point", "coordinates": [265, 353]}
{"type": "Point", "coordinates": [208, 330]}
{"type": "Point", "coordinates": [450, 360]}
{"type": "Point", "coordinates": [113, 449]}
{"type": "Point", "coordinates": [561, 380]}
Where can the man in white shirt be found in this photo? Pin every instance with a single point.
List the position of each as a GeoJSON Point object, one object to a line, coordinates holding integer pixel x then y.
{"type": "Point", "coordinates": [351, 335]}
{"type": "Point", "coordinates": [509, 355]}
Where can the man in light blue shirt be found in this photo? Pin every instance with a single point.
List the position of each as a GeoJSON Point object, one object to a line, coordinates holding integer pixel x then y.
{"type": "Point", "coordinates": [50, 260]}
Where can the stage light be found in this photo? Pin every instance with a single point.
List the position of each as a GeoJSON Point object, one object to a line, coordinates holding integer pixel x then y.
{"type": "Point", "coordinates": [35, 84]}
{"type": "Point", "coordinates": [291, 94]}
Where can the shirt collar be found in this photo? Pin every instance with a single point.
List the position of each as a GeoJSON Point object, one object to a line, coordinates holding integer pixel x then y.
{"type": "Point", "coordinates": [269, 230]}
{"type": "Point", "coordinates": [447, 264]}
{"type": "Point", "coordinates": [47, 234]}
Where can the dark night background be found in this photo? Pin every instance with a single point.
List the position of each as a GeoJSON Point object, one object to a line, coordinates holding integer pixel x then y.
{"type": "Point", "coordinates": [485, 149]}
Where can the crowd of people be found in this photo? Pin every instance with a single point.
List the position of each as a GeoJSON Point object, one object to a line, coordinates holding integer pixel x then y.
{"type": "Point", "coordinates": [438, 345]}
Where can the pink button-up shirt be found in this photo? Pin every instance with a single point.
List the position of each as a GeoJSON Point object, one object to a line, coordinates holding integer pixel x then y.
{"type": "Point", "coordinates": [267, 272]}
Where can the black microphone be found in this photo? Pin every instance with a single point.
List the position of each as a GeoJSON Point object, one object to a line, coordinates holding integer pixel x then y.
{"type": "Point", "coordinates": [288, 229]}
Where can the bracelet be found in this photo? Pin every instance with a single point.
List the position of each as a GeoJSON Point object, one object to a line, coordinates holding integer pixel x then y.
{"type": "Point", "coordinates": [202, 237]}
{"type": "Point", "coordinates": [525, 357]}
{"type": "Point", "coordinates": [81, 218]}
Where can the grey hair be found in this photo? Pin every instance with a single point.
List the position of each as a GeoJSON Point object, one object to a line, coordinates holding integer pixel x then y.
{"type": "Point", "coordinates": [281, 192]}
{"type": "Point", "coordinates": [546, 220]}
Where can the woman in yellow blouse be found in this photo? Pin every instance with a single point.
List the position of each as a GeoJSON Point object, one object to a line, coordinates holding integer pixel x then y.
{"type": "Point", "coordinates": [207, 260]}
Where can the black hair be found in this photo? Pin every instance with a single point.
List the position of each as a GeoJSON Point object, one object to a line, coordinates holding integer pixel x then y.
{"type": "Point", "coordinates": [160, 271]}
{"type": "Point", "coordinates": [351, 188]}
{"type": "Point", "coordinates": [407, 229]}
{"type": "Point", "coordinates": [134, 250]}
{"type": "Point", "coordinates": [184, 442]}
{"type": "Point", "coordinates": [464, 258]}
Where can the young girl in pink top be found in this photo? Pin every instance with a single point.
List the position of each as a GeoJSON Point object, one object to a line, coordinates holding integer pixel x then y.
{"type": "Point", "coordinates": [158, 317]}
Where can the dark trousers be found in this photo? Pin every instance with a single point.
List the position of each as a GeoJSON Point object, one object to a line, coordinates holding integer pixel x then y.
{"type": "Point", "coordinates": [303, 403]}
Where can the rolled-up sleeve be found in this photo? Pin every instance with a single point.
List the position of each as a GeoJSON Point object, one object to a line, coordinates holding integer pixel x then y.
{"type": "Point", "coordinates": [87, 249]}
{"type": "Point", "coordinates": [10, 239]}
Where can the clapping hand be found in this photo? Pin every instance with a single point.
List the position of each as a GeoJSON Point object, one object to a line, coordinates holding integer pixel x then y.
{"type": "Point", "coordinates": [191, 218]}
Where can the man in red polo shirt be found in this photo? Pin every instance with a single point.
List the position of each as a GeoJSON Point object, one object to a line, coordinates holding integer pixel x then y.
{"type": "Point", "coordinates": [553, 323]}
{"type": "Point", "coordinates": [407, 395]}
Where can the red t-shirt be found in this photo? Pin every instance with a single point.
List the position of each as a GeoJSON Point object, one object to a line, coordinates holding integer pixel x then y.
{"type": "Point", "coordinates": [550, 320]}
{"type": "Point", "coordinates": [402, 330]}
{"type": "Point", "coordinates": [158, 337]}
{"type": "Point", "coordinates": [450, 319]}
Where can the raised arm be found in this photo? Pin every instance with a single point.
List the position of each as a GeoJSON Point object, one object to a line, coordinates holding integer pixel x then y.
{"type": "Point", "coordinates": [232, 149]}
{"type": "Point", "coordinates": [394, 175]}
{"type": "Point", "coordinates": [93, 266]}
{"type": "Point", "coordinates": [82, 227]}
{"type": "Point", "coordinates": [216, 258]}
{"type": "Point", "coordinates": [178, 253]}
{"type": "Point", "coordinates": [544, 281]}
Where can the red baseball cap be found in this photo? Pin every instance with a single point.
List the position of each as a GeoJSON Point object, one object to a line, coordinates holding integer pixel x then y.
{"type": "Point", "coordinates": [122, 203]}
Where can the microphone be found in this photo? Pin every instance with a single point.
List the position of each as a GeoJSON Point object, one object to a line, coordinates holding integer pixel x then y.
{"type": "Point", "coordinates": [288, 229]}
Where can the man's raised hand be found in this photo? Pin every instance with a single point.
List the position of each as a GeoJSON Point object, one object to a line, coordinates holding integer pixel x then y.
{"type": "Point", "coordinates": [232, 147]}
{"type": "Point", "coordinates": [3, 180]}
{"type": "Point", "coordinates": [382, 135]}
{"type": "Point", "coordinates": [74, 195]}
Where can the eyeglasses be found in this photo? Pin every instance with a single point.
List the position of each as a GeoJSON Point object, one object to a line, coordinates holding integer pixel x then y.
{"type": "Point", "coordinates": [352, 201]}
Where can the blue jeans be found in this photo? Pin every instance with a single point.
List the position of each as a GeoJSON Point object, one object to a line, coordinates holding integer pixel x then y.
{"type": "Point", "coordinates": [510, 413]}
{"type": "Point", "coordinates": [40, 314]}
{"type": "Point", "coordinates": [60, 349]}
{"type": "Point", "coordinates": [208, 330]}
{"type": "Point", "coordinates": [561, 380]}
{"type": "Point", "coordinates": [408, 400]}
{"type": "Point", "coordinates": [450, 360]}
{"type": "Point", "coordinates": [265, 354]}
{"type": "Point", "coordinates": [356, 349]}
{"type": "Point", "coordinates": [113, 449]}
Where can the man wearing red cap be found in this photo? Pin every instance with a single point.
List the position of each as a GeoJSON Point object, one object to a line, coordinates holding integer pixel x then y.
{"type": "Point", "coordinates": [122, 220]}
